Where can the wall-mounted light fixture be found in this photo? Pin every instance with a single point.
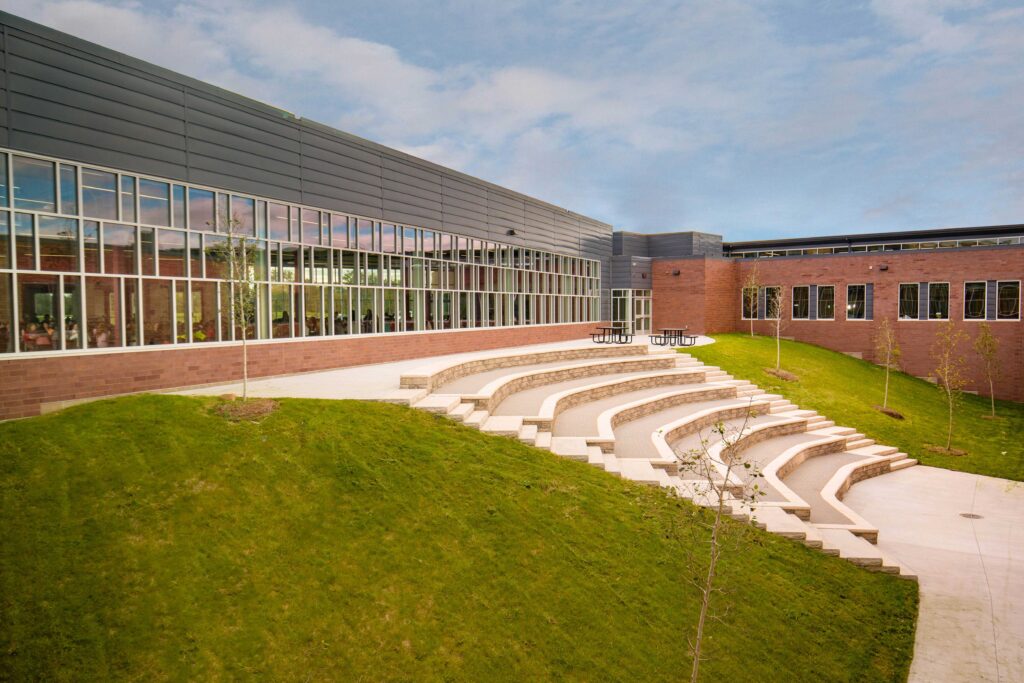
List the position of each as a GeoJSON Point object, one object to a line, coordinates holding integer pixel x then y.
{"type": "Point", "coordinates": [676, 273]}
{"type": "Point", "coordinates": [883, 267]}
{"type": "Point", "coordinates": [510, 232]}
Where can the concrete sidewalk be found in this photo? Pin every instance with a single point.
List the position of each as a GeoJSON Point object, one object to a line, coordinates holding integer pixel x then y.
{"type": "Point", "coordinates": [971, 621]}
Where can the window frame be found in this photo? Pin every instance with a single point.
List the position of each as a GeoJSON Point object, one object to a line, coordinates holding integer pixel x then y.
{"type": "Point", "coordinates": [899, 301]}
{"type": "Point", "coordinates": [766, 307]}
{"type": "Point", "coordinates": [865, 301]}
{"type": "Point", "coordinates": [743, 304]}
{"type": "Point", "coordinates": [984, 301]}
{"type": "Point", "coordinates": [949, 300]}
{"type": "Point", "coordinates": [792, 294]}
{"type": "Point", "coordinates": [1010, 320]}
{"type": "Point", "coordinates": [817, 303]}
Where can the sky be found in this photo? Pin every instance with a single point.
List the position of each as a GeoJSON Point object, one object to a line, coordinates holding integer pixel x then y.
{"type": "Point", "coordinates": [755, 120]}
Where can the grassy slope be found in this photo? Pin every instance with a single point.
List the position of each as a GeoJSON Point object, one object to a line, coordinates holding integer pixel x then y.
{"type": "Point", "coordinates": [147, 538]}
{"type": "Point", "coordinates": [845, 390]}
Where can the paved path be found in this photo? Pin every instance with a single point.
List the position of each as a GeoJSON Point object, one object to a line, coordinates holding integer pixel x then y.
{"type": "Point", "coordinates": [971, 622]}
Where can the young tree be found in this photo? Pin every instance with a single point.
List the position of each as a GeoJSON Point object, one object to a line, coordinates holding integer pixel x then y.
{"type": "Point", "coordinates": [987, 347]}
{"type": "Point", "coordinates": [717, 469]}
{"type": "Point", "coordinates": [887, 352]}
{"type": "Point", "coordinates": [775, 305]}
{"type": "Point", "coordinates": [239, 258]}
{"type": "Point", "coordinates": [751, 289]}
{"type": "Point", "coordinates": [949, 368]}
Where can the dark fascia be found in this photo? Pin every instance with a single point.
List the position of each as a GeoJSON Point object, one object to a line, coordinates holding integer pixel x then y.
{"type": "Point", "coordinates": [937, 234]}
{"type": "Point", "coordinates": [173, 78]}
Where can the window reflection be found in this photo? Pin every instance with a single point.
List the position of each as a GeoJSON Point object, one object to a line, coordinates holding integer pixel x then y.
{"type": "Point", "coordinates": [99, 194]}
{"type": "Point", "coordinates": [34, 186]}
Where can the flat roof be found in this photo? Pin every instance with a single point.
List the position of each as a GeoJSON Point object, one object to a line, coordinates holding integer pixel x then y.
{"type": "Point", "coordinates": [935, 234]}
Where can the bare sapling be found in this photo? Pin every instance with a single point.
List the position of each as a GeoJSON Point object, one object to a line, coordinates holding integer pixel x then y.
{"type": "Point", "coordinates": [987, 347]}
{"type": "Point", "coordinates": [723, 481]}
{"type": "Point", "coordinates": [239, 258]}
{"type": "Point", "coordinates": [949, 369]}
{"type": "Point", "coordinates": [887, 352]}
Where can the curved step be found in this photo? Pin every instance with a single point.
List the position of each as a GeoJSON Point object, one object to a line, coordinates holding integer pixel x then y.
{"type": "Point", "coordinates": [540, 405]}
{"type": "Point", "coordinates": [435, 375]}
{"type": "Point", "coordinates": [494, 392]}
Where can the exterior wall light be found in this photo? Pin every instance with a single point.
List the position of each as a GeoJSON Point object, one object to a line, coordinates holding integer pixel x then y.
{"type": "Point", "coordinates": [676, 273]}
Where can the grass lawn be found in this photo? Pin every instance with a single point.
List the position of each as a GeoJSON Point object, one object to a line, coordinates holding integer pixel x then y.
{"type": "Point", "coordinates": [147, 538]}
{"type": "Point", "coordinates": [846, 390]}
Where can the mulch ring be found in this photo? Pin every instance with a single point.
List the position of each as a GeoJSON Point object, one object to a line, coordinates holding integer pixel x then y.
{"type": "Point", "coordinates": [942, 450]}
{"type": "Point", "coordinates": [895, 414]}
{"type": "Point", "coordinates": [784, 375]}
{"type": "Point", "coordinates": [251, 410]}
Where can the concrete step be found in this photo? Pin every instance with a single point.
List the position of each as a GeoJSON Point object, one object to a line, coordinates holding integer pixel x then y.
{"type": "Point", "coordinates": [572, 447]}
{"type": "Point", "coordinates": [838, 431]}
{"type": "Point", "coordinates": [641, 471]}
{"type": "Point", "coordinates": [779, 522]}
{"type": "Point", "coordinates": [460, 412]}
{"type": "Point", "coordinates": [438, 403]}
{"type": "Point", "coordinates": [543, 440]}
{"type": "Point", "coordinates": [902, 464]}
{"type": "Point", "coordinates": [855, 549]}
{"type": "Point", "coordinates": [853, 444]}
{"type": "Point", "coordinates": [503, 425]}
{"type": "Point", "coordinates": [476, 418]}
{"type": "Point", "coordinates": [873, 449]}
{"type": "Point", "coordinates": [404, 397]}
{"type": "Point", "coordinates": [528, 434]}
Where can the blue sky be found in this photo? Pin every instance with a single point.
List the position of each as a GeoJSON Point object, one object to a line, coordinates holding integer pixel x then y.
{"type": "Point", "coordinates": [750, 119]}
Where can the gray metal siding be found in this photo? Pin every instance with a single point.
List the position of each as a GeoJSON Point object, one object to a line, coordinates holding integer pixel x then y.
{"type": "Point", "coordinates": [65, 97]}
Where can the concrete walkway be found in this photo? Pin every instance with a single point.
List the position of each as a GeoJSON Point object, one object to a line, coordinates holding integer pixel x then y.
{"type": "Point", "coordinates": [971, 622]}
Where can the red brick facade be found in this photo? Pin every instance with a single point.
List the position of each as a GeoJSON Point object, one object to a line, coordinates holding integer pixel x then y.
{"type": "Point", "coordinates": [30, 382]}
{"type": "Point", "coordinates": [706, 296]}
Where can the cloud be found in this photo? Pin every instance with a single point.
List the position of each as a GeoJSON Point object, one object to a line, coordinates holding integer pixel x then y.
{"type": "Point", "coordinates": [646, 114]}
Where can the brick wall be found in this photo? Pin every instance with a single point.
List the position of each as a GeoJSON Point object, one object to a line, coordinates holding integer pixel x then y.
{"type": "Point", "coordinates": [706, 297]}
{"type": "Point", "coordinates": [29, 382]}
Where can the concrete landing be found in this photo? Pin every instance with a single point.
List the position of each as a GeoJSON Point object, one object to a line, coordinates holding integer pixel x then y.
{"type": "Point", "coordinates": [971, 571]}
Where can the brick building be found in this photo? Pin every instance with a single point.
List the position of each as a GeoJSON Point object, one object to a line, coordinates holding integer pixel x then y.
{"type": "Point", "coordinates": [120, 183]}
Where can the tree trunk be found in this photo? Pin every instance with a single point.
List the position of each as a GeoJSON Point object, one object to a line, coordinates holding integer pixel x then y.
{"type": "Point", "coordinates": [709, 582]}
{"type": "Point", "coordinates": [992, 395]}
{"type": "Point", "coordinates": [245, 365]}
{"type": "Point", "coordinates": [778, 348]}
{"type": "Point", "coordinates": [949, 434]}
{"type": "Point", "coordinates": [885, 398]}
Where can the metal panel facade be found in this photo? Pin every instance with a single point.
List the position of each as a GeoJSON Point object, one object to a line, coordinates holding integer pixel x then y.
{"type": "Point", "coordinates": [65, 97]}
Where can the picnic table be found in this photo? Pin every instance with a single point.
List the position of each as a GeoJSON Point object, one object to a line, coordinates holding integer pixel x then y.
{"type": "Point", "coordinates": [674, 336]}
{"type": "Point", "coordinates": [612, 334]}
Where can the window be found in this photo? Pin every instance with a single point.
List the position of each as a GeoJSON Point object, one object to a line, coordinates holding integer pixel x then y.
{"type": "Point", "coordinates": [156, 307]}
{"type": "Point", "coordinates": [364, 231]}
{"type": "Point", "coordinates": [773, 303]}
{"type": "Point", "coordinates": [119, 249]}
{"type": "Point", "coordinates": [154, 202]}
{"type": "Point", "coordinates": [826, 302]}
{"type": "Point", "coordinates": [243, 213]}
{"type": "Point", "coordinates": [103, 306]}
{"type": "Point", "coordinates": [58, 243]}
{"type": "Point", "coordinates": [6, 315]}
{"type": "Point", "coordinates": [938, 301]}
{"type": "Point", "coordinates": [5, 240]}
{"type": "Point", "coordinates": [127, 198]}
{"type": "Point", "coordinates": [204, 312]}
{"type": "Point", "coordinates": [801, 303]}
{"type": "Point", "coordinates": [1008, 300]}
{"type": "Point", "coordinates": [38, 305]}
{"type": "Point", "coordinates": [277, 221]}
{"type": "Point", "coordinates": [310, 227]}
{"type": "Point", "coordinates": [68, 190]}
{"type": "Point", "coordinates": [99, 194]}
{"type": "Point", "coordinates": [856, 302]}
{"type": "Point", "coordinates": [34, 186]}
{"type": "Point", "coordinates": [172, 253]}
{"type": "Point", "coordinates": [749, 303]}
{"type": "Point", "coordinates": [974, 300]}
{"type": "Point", "coordinates": [909, 301]}
{"type": "Point", "coordinates": [200, 209]}
{"type": "Point", "coordinates": [24, 241]}
{"type": "Point", "coordinates": [91, 244]}
{"type": "Point", "coordinates": [339, 230]}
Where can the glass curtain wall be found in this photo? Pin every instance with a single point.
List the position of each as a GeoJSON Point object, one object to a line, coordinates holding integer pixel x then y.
{"type": "Point", "coordinates": [94, 258]}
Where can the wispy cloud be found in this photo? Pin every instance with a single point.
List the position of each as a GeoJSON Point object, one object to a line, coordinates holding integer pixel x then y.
{"type": "Point", "coordinates": [713, 114]}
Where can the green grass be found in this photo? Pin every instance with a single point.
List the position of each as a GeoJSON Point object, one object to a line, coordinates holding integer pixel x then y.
{"type": "Point", "coordinates": [846, 389]}
{"type": "Point", "coordinates": [146, 538]}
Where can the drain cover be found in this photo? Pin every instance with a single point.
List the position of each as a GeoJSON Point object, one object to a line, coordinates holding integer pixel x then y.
{"type": "Point", "coordinates": [971, 515]}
